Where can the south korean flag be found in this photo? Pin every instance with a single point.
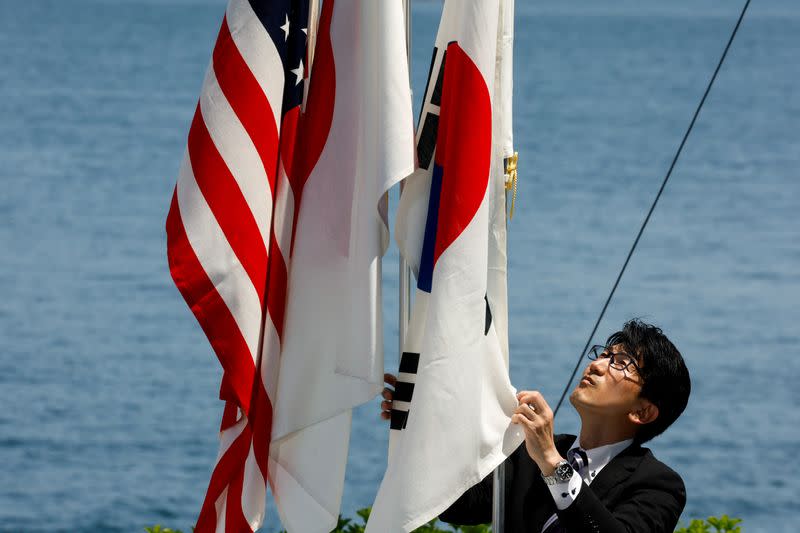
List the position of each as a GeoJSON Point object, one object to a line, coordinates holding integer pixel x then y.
{"type": "Point", "coordinates": [453, 400]}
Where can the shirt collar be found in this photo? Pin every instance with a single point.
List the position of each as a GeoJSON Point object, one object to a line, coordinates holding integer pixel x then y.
{"type": "Point", "coordinates": [602, 455]}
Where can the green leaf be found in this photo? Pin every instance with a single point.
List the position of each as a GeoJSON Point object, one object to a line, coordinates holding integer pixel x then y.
{"type": "Point", "coordinates": [698, 526]}
{"type": "Point", "coordinates": [481, 528]}
{"type": "Point", "coordinates": [721, 524]}
{"type": "Point", "coordinates": [364, 513]}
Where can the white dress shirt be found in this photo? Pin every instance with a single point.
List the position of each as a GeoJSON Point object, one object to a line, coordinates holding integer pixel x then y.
{"type": "Point", "coordinates": [564, 493]}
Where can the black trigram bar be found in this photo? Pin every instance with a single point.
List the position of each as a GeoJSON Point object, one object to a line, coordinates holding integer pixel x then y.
{"type": "Point", "coordinates": [428, 81]}
{"type": "Point", "coordinates": [404, 390]}
{"type": "Point", "coordinates": [436, 97]}
{"type": "Point", "coordinates": [427, 140]}
{"type": "Point", "coordinates": [430, 119]}
{"type": "Point", "coordinates": [409, 362]}
{"type": "Point", "coordinates": [399, 419]}
{"type": "Point", "coordinates": [488, 315]}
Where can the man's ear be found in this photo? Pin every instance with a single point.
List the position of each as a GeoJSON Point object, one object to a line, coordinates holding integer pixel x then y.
{"type": "Point", "coordinates": [645, 413]}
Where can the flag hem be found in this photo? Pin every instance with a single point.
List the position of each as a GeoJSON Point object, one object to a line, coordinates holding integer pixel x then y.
{"type": "Point", "coordinates": [495, 458]}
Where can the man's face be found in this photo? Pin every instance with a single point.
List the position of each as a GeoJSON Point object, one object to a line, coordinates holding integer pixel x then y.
{"type": "Point", "coordinates": [607, 390]}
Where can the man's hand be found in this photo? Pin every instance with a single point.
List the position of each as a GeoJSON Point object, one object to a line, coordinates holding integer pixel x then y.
{"type": "Point", "coordinates": [536, 419]}
{"type": "Point", "coordinates": [388, 396]}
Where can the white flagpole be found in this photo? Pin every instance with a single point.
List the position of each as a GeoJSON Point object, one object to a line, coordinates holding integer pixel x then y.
{"type": "Point", "coordinates": [498, 492]}
{"type": "Point", "coordinates": [498, 498]}
{"type": "Point", "coordinates": [404, 286]}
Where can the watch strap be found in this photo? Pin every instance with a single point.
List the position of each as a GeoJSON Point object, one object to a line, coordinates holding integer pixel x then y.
{"type": "Point", "coordinates": [563, 472]}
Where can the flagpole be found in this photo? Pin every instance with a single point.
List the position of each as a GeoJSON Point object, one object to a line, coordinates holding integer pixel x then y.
{"type": "Point", "coordinates": [404, 286]}
{"type": "Point", "coordinates": [499, 475]}
{"type": "Point", "coordinates": [499, 479]}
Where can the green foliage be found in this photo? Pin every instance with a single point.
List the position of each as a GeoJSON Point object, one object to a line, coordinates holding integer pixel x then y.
{"type": "Point", "coordinates": [695, 526]}
{"type": "Point", "coordinates": [722, 524]}
{"type": "Point", "coordinates": [348, 525]}
{"type": "Point", "coordinates": [158, 529]}
{"type": "Point", "coordinates": [483, 528]}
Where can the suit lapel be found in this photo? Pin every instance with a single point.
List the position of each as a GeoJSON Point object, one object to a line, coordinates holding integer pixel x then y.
{"type": "Point", "coordinates": [539, 503]}
{"type": "Point", "coordinates": [618, 470]}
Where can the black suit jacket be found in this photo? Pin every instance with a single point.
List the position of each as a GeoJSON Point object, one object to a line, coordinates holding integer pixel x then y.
{"type": "Point", "coordinates": [633, 493]}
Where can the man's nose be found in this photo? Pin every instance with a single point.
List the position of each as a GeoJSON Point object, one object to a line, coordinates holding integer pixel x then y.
{"type": "Point", "coordinates": [598, 366]}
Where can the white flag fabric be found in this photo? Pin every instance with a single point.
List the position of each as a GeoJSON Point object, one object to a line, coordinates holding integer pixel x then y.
{"type": "Point", "coordinates": [453, 401]}
{"type": "Point", "coordinates": [331, 358]}
{"type": "Point", "coordinates": [274, 238]}
{"type": "Point", "coordinates": [227, 238]}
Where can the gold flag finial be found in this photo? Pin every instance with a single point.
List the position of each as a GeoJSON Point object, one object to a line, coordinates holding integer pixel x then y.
{"type": "Point", "coordinates": [511, 180]}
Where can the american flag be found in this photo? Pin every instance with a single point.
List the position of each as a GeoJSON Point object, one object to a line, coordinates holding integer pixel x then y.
{"type": "Point", "coordinates": [230, 227]}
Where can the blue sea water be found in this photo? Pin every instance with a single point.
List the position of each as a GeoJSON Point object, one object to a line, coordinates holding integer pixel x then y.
{"type": "Point", "coordinates": [108, 409]}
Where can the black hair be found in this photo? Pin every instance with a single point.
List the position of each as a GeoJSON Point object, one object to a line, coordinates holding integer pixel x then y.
{"type": "Point", "coordinates": [666, 379]}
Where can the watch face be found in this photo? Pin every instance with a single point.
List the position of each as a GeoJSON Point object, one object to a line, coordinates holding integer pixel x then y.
{"type": "Point", "coordinates": [563, 471]}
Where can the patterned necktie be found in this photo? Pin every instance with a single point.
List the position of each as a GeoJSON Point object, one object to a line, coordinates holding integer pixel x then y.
{"type": "Point", "coordinates": [578, 460]}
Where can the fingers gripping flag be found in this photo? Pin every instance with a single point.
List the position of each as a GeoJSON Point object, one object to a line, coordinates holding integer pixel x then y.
{"type": "Point", "coordinates": [453, 401]}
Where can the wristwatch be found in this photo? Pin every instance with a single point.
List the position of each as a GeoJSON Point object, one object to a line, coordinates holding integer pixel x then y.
{"type": "Point", "coordinates": [562, 473]}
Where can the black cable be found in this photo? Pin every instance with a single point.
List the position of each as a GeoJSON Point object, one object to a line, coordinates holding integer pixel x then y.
{"type": "Point", "coordinates": [652, 207]}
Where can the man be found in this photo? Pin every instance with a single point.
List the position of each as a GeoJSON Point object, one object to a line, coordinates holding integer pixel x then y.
{"type": "Point", "coordinates": [603, 481]}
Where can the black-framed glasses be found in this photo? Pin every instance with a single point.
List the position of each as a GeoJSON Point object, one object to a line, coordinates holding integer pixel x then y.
{"type": "Point", "coordinates": [617, 361]}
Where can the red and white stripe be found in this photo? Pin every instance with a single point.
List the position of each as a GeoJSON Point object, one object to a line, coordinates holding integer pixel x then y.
{"type": "Point", "coordinates": [229, 233]}
{"type": "Point", "coordinates": [233, 226]}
